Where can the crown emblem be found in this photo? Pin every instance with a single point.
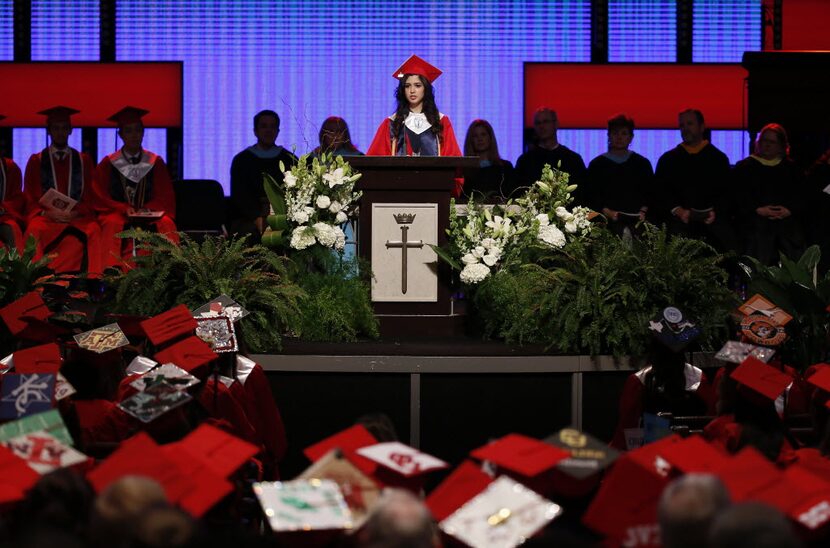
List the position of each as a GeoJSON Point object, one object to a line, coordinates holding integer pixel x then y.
{"type": "Point", "coordinates": [404, 218]}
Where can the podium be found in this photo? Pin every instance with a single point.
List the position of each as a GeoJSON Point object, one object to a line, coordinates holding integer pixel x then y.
{"type": "Point", "coordinates": [405, 207]}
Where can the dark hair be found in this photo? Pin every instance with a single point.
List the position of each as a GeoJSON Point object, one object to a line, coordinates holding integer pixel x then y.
{"type": "Point", "coordinates": [430, 110]}
{"type": "Point", "coordinates": [493, 153]}
{"type": "Point", "coordinates": [334, 125]}
{"type": "Point", "coordinates": [696, 112]}
{"type": "Point", "coordinates": [778, 130]}
{"type": "Point", "coordinates": [620, 121]}
{"type": "Point", "coordinates": [262, 113]}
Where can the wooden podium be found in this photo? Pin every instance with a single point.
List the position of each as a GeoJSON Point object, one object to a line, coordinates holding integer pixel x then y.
{"type": "Point", "coordinates": [405, 207]}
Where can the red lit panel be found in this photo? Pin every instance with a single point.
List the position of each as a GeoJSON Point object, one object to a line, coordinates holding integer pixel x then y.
{"type": "Point", "coordinates": [98, 90]}
{"type": "Point", "coordinates": [586, 95]}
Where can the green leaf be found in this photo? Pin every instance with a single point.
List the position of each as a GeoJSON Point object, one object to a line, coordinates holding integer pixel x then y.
{"type": "Point", "coordinates": [446, 256]}
{"type": "Point", "coordinates": [275, 194]}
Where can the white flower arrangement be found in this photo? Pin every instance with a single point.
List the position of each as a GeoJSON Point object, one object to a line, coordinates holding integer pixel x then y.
{"type": "Point", "coordinates": [319, 197]}
{"type": "Point", "coordinates": [488, 237]}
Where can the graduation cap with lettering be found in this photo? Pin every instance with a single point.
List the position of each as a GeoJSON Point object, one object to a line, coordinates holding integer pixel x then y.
{"type": "Point", "coordinates": [587, 455]}
{"type": "Point", "coordinates": [102, 339]}
{"type": "Point", "coordinates": [416, 65]}
{"type": "Point", "coordinates": [59, 113]}
{"type": "Point", "coordinates": [401, 465]}
{"type": "Point", "coordinates": [763, 322]}
{"type": "Point", "coordinates": [128, 115]}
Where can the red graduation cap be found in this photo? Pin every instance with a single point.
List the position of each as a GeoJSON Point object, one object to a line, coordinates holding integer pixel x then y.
{"type": "Point", "coordinates": [208, 490]}
{"type": "Point", "coordinates": [174, 323]}
{"type": "Point", "coordinates": [821, 380]}
{"type": "Point", "coordinates": [141, 456]}
{"type": "Point", "coordinates": [416, 65]}
{"type": "Point", "coordinates": [694, 454]}
{"type": "Point", "coordinates": [222, 452]}
{"type": "Point", "coordinates": [45, 358]}
{"type": "Point", "coordinates": [189, 354]}
{"type": "Point", "coordinates": [747, 473]}
{"type": "Point", "coordinates": [18, 477]}
{"type": "Point", "coordinates": [15, 314]}
{"type": "Point", "coordinates": [128, 115]}
{"type": "Point", "coordinates": [58, 113]}
{"type": "Point", "coordinates": [523, 455]}
{"type": "Point", "coordinates": [464, 483]}
{"type": "Point", "coordinates": [348, 441]}
{"type": "Point", "coordinates": [764, 381]}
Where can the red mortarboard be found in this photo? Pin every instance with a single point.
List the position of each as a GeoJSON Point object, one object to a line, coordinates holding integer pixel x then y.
{"type": "Point", "coordinates": [222, 452]}
{"type": "Point", "coordinates": [58, 113]}
{"type": "Point", "coordinates": [627, 500]}
{"type": "Point", "coordinates": [128, 115]}
{"type": "Point", "coordinates": [141, 456]}
{"type": "Point", "coordinates": [465, 482]}
{"type": "Point", "coordinates": [821, 378]}
{"type": "Point", "coordinates": [764, 380]}
{"type": "Point", "coordinates": [130, 325]}
{"type": "Point", "coordinates": [30, 305]}
{"type": "Point", "coordinates": [18, 476]}
{"type": "Point", "coordinates": [208, 490]}
{"type": "Point", "coordinates": [348, 441]}
{"type": "Point", "coordinates": [189, 354]}
{"type": "Point", "coordinates": [521, 454]}
{"type": "Point", "coordinates": [416, 65]}
{"type": "Point", "coordinates": [45, 358]}
{"type": "Point", "coordinates": [694, 454]}
{"type": "Point", "coordinates": [747, 473]}
{"type": "Point", "coordinates": [812, 508]}
{"type": "Point", "coordinates": [169, 325]}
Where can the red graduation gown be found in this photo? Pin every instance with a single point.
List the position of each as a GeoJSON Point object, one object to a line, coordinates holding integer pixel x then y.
{"type": "Point", "coordinates": [68, 248]}
{"type": "Point", "coordinates": [382, 145]}
{"type": "Point", "coordinates": [113, 212]}
{"type": "Point", "coordinates": [13, 200]}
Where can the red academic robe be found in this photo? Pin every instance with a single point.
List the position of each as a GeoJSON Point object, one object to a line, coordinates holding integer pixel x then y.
{"type": "Point", "coordinates": [54, 236]}
{"type": "Point", "coordinates": [633, 394]}
{"type": "Point", "coordinates": [382, 145]}
{"type": "Point", "coordinates": [794, 400]}
{"type": "Point", "coordinates": [113, 203]}
{"type": "Point", "coordinates": [13, 200]}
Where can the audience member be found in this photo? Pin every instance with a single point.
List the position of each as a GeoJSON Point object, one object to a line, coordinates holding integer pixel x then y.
{"type": "Point", "coordinates": [495, 178]}
{"type": "Point", "coordinates": [134, 190]}
{"type": "Point", "coordinates": [693, 182]}
{"type": "Point", "coordinates": [752, 525]}
{"type": "Point", "coordinates": [70, 232]}
{"type": "Point", "coordinates": [119, 507]}
{"type": "Point", "coordinates": [620, 180]}
{"type": "Point", "coordinates": [249, 203]}
{"type": "Point", "coordinates": [818, 207]}
{"type": "Point", "coordinates": [336, 139]}
{"type": "Point", "coordinates": [399, 520]}
{"type": "Point", "coordinates": [546, 149]}
{"type": "Point", "coordinates": [687, 509]}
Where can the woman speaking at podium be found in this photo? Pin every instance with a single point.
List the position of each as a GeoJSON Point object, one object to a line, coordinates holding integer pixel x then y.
{"type": "Point", "coordinates": [416, 128]}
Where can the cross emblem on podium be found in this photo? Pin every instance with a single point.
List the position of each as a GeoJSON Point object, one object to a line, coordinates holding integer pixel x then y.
{"type": "Point", "coordinates": [404, 219]}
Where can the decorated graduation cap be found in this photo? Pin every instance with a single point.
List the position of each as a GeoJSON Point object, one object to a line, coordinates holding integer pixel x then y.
{"type": "Point", "coordinates": [673, 329]}
{"type": "Point", "coordinates": [587, 455]}
{"type": "Point", "coordinates": [763, 322]}
{"type": "Point", "coordinates": [102, 339]}
{"type": "Point", "coordinates": [737, 352]}
{"type": "Point", "coordinates": [401, 465]}
{"type": "Point", "coordinates": [59, 113]}
{"type": "Point", "coordinates": [304, 505]}
{"type": "Point", "coordinates": [190, 354]}
{"type": "Point", "coordinates": [128, 115]}
{"type": "Point", "coordinates": [348, 441]}
{"type": "Point", "coordinates": [464, 483]}
{"type": "Point", "coordinates": [505, 513]}
{"type": "Point", "coordinates": [416, 65]}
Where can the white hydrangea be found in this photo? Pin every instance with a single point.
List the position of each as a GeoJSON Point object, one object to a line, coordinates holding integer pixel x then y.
{"type": "Point", "coordinates": [299, 216]}
{"type": "Point", "coordinates": [323, 201]}
{"type": "Point", "coordinates": [302, 237]}
{"type": "Point", "coordinates": [325, 234]}
{"type": "Point", "coordinates": [474, 273]}
{"type": "Point", "coordinates": [552, 236]}
{"type": "Point", "coordinates": [340, 238]}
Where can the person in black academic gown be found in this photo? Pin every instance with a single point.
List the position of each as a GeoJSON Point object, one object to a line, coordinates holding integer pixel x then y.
{"type": "Point", "coordinates": [495, 178]}
{"type": "Point", "coordinates": [249, 203]}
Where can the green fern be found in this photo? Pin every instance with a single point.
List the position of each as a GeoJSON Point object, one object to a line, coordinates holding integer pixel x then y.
{"type": "Point", "coordinates": [20, 273]}
{"type": "Point", "coordinates": [193, 273]}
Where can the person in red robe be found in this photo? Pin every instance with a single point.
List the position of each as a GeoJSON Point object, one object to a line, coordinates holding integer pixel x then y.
{"type": "Point", "coordinates": [71, 234]}
{"type": "Point", "coordinates": [133, 189]}
{"type": "Point", "coordinates": [12, 203]}
{"type": "Point", "coordinates": [417, 128]}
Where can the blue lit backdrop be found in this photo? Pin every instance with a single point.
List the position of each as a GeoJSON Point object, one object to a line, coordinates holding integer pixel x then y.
{"type": "Point", "coordinates": [309, 59]}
